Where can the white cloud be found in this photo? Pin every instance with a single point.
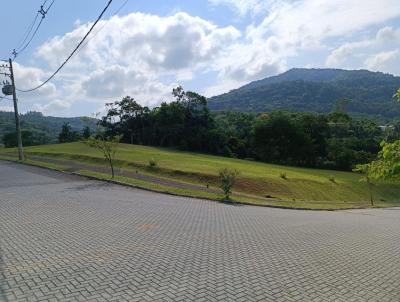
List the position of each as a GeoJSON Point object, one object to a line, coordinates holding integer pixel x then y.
{"type": "Point", "coordinates": [339, 56]}
{"type": "Point", "coordinates": [133, 55]}
{"type": "Point", "coordinates": [243, 7]}
{"type": "Point", "coordinates": [111, 82]}
{"type": "Point", "coordinates": [53, 107]}
{"type": "Point", "coordinates": [320, 19]}
{"type": "Point", "coordinates": [308, 24]}
{"type": "Point", "coordinates": [117, 81]}
{"type": "Point", "coordinates": [4, 107]}
{"type": "Point", "coordinates": [377, 53]}
{"type": "Point", "coordinates": [384, 61]}
{"type": "Point", "coordinates": [248, 62]}
{"type": "Point", "coordinates": [292, 27]}
{"type": "Point", "coordinates": [147, 41]}
{"type": "Point", "coordinates": [145, 55]}
{"type": "Point", "coordinates": [29, 77]}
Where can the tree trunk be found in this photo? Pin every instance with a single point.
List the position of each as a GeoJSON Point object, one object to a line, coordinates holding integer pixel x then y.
{"type": "Point", "coordinates": [370, 193]}
{"type": "Point", "coordinates": [112, 168]}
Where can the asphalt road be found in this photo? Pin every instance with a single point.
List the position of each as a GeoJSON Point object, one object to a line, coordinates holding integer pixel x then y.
{"type": "Point", "coordinates": [65, 238]}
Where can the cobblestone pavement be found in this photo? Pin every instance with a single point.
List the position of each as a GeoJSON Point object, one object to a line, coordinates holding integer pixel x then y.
{"type": "Point", "coordinates": [65, 238]}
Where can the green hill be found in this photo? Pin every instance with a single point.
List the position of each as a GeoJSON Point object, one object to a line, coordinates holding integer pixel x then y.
{"type": "Point", "coordinates": [46, 127]}
{"type": "Point", "coordinates": [316, 90]}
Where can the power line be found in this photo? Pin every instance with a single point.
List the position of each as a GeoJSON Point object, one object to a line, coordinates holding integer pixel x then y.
{"type": "Point", "coordinates": [16, 53]}
{"type": "Point", "coordinates": [73, 52]}
{"type": "Point", "coordinates": [5, 98]}
{"type": "Point", "coordinates": [27, 32]}
{"type": "Point", "coordinates": [102, 27]}
{"type": "Point", "coordinates": [24, 45]}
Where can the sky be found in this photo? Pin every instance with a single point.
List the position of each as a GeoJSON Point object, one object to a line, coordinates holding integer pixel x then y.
{"type": "Point", "coordinates": [208, 46]}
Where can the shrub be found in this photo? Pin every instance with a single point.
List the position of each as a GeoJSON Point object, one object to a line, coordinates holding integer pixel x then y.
{"type": "Point", "coordinates": [152, 163]}
{"type": "Point", "coordinates": [227, 180]}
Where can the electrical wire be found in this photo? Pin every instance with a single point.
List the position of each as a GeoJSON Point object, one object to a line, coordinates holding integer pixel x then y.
{"type": "Point", "coordinates": [18, 52]}
{"type": "Point", "coordinates": [104, 25]}
{"type": "Point", "coordinates": [27, 32]}
{"type": "Point", "coordinates": [5, 98]}
{"type": "Point", "coordinates": [73, 52]}
{"type": "Point", "coordinates": [24, 45]}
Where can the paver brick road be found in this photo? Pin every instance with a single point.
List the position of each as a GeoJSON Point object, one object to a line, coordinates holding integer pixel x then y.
{"type": "Point", "coordinates": [65, 238]}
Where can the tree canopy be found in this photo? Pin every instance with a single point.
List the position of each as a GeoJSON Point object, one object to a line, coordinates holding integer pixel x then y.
{"type": "Point", "coordinates": [334, 140]}
{"type": "Point", "coordinates": [387, 166]}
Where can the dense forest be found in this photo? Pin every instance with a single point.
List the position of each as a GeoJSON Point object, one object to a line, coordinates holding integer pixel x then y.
{"type": "Point", "coordinates": [316, 90]}
{"type": "Point", "coordinates": [334, 140]}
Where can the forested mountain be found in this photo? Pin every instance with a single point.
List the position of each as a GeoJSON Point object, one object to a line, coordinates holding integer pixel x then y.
{"type": "Point", "coordinates": [44, 128]}
{"type": "Point", "coordinates": [318, 90]}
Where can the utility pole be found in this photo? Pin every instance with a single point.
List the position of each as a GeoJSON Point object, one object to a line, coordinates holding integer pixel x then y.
{"type": "Point", "coordinates": [16, 113]}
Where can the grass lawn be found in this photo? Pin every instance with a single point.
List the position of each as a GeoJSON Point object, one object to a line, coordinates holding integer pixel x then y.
{"type": "Point", "coordinates": [302, 188]}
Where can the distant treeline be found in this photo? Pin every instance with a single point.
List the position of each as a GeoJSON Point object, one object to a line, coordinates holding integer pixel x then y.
{"type": "Point", "coordinates": [334, 141]}
{"type": "Point", "coordinates": [38, 129]}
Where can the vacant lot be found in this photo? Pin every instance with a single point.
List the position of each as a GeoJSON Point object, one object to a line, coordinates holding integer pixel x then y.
{"type": "Point", "coordinates": [258, 182]}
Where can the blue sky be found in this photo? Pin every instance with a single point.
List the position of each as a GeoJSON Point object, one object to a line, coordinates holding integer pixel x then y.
{"type": "Point", "coordinates": [211, 46]}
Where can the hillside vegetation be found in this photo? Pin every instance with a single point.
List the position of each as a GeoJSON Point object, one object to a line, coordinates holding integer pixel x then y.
{"type": "Point", "coordinates": [330, 141]}
{"type": "Point", "coordinates": [316, 90]}
{"type": "Point", "coordinates": [301, 188]}
{"type": "Point", "coordinates": [44, 129]}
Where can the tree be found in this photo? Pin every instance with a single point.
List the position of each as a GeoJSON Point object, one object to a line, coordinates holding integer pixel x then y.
{"type": "Point", "coordinates": [365, 170]}
{"type": "Point", "coordinates": [197, 119]}
{"type": "Point", "coordinates": [87, 129]}
{"type": "Point", "coordinates": [30, 138]}
{"type": "Point", "coordinates": [316, 128]}
{"type": "Point", "coordinates": [227, 178]}
{"type": "Point", "coordinates": [108, 146]}
{"type": "Point", "coordinates": [86, 132]}
{"type": "Point", "coordinates": [387, 166]}
{"type": "Point", "coordinates": [185, 122]}
{"type": "Point", "coordinates": [277, 138]}
{"type": "Point", "coordinates": [169, 119]}
{"type": "Point", "coordinates": [334, 141]}
{"type": "Point", "coordinates": [397, 95]}
{"type": "Point", "coordinates": [340, 106]}
{"type": "Point", "coordinates": [67, 135]}
{"type": "Point", "coordinates": [128, 118]}
{"type": "Point", "coordinates": [232, 134]}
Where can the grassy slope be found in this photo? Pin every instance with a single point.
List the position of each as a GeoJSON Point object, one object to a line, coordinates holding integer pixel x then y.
{"type": "Point", "coordinates": [256, 178]}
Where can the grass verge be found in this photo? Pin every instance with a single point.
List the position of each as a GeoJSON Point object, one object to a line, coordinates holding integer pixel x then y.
{"type": "Point", "coordinates": [216, 197]}
{"type": "Point", "coordinates": [258, 183]}
{"type": "Point", "coordinates": [36, 163]}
